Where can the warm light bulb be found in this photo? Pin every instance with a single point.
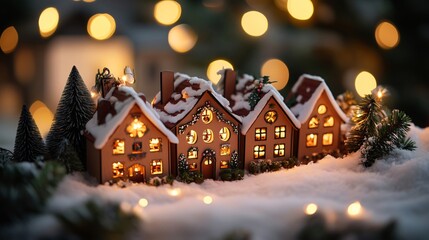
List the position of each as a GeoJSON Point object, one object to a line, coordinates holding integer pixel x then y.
{"type": "Point", "coordinates": [354, 209]}
{"type": "Point", "coordinates": [174, 192]}
{"type": "Point", "coordinates": [387, 35]}
{"type": "Point", "coordinates": [143, 202]}
{"type": "Point", "coordinates": [182, 38]}
{"type": "Point", "coordinates": [208, 200]}
{"type": "Point", "coordinates": [310, 209]}
{"type": "Point", "coordinates": [300, 9]}
{"type": "Point", "coordinates": [9, 39]}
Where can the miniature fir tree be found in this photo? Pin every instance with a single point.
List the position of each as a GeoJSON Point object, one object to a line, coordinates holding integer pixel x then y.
{"type": "Point", "coordinates": [73, 112]}
{"type": "Point", "coordinates": [29, 145]}
{"type": "Point", "coordinates": [256, 94]}
{"type": "Point", "coordinates": [377, 134]}
{"type": "Point", "coordinates": [69, 158]}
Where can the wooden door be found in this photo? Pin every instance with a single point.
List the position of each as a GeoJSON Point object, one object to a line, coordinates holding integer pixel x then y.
{"type": "Point", "coordinates": [208, 164]}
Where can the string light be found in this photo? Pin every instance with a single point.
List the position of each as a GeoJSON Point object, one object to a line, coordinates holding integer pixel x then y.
{"type": "Point", "coordinates": [365, 82]}
{"type": "Point", "coordinates": [208, 200]}
{"type": "Point", "coordinates": [174, 192]}
{"type": "Point", "coordinates": [167, 12]}
{"type": "Point", "coordinates": [101, 26]}
{"type": "Point", "coordinates": [310, 209]}
{"type": "Point", "coordinates": [143, 202]}
{"type": "Point", "coordinates": [214, 67]}
{"type": "Point", "coordinates": [354, 209]}
{"type": "Point", "coordinates": [9, 39]}
{"type": "Point", "coordinates": [254, 23]}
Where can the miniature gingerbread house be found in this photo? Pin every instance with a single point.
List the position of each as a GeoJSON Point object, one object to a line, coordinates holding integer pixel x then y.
{"type": "Point", "coordinates": [207, 130]}
{"type": "Point", "coordinates": [320, 116]}
{"type": "Point", "coordinates": [126, 139]}
{"type": "Point", "coordinates": [269, 128]}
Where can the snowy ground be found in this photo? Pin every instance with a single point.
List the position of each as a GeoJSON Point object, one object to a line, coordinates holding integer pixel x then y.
{"type": "Point", "coordinates": [271, 205]}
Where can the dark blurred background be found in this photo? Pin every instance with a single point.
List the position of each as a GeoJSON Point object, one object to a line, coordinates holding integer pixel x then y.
{"type": "Point", "coordinates": [337, 40]}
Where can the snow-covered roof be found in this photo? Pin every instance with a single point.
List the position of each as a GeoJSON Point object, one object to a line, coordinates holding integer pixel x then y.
{"type": "Point", "coordinates": [241, 106]}
{"type": "Point", "coordinates": [117, 105]}
{"type": "Point", "coordinates": [306, 91]}
{"type": "Point", "coordinates": [187, 91]}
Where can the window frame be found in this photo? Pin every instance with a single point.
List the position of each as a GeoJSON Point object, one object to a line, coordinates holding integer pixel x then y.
{"type": "Point", "coordinates": [262, 134]}
{"type": "Point", "coordinates": [281, 149]}
{"type": "Point", "coordinates": [259, 153]}
{"type": "Point", "coordinates": [278, 132]}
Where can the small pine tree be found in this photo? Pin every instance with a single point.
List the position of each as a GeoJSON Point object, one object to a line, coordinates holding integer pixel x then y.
{"type": "Point", "coordinates": [69, 158]}
{"type": "Point", "coordinates": [73, 112]}
{"type": "Point", "coordinates": [29, 145]}
{"type": "Point", "coordinates": [376, 134]}
{"type": "Point", "coordinates": [366, 118]}
{"type": "Point", "coordinates": [183, 164]}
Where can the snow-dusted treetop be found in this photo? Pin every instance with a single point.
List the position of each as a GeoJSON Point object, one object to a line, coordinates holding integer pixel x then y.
{"type": "Point", "coordinates": [306, 91]}
{"type": "Point", "coordinates": [187, 91]}
{"type": "Point", "coordinates": [241, 106]}
{"type": "Point", "coordinates": [119, 102]}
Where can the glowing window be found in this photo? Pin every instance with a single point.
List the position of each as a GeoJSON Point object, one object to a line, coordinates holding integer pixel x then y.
{"type": "Point", "coordinates": [259, 151]}
{"type": "Point", "coordinates": [193, 167]}
{"type": "Point", "coordinates": [280, 132]}
{"type": "Point", "coordinates": [311, 140]}
{"type": "Point", "coordinates": [118, 147]}
{"type": "Point", "coordinates": [314, 122]}
{"type": "Point", "coordinates": [155, 145]}
{"type": "Point", "coordinates": [279, 150]}
{"type": "Point", "coordinates": [208, 136]}
{"type": "Point", "coordinates": [135, 170]}
{"type": "Point", "coordinates": [321, 109]}
{"type": "Point", "coordinates": [224, 164]}
{"type": "Point", "coordinates": [225, 150]}
{"type": "Point", "coordinates": [208, 161]}
{"type": "Point", "coordinates": [118, 169]}
{"type": "Point", "coordinates": [270, 116]}
{"type": "Point", "coordinates": [156, 167]}
{"type": "Point", "coordinates": [327, 139]}
{"type": "Point", "coordinates": [224, 134]}
{"type": "Point", "coordinates": [260, 134]}
{"type": "Point", "coordinates": [137, 147]}
{"type": "Point", "coordinates": [191, 137]}
{"type": "Point", "coordinates": [193, 153]}
{"type": "Point", "coordinates": [207, 116]}
{"type": "Point", "coordinates": [328, 121]}
{"type": "Point", "coordinates": [136, 128]}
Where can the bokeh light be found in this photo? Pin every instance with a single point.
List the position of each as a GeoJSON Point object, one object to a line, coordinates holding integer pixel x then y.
{"type": "Point", "coordinates": [365, 82]}
{"type": "Point", "coordinates": [9, 39]}
{"type": "Point", "coordinates": [143, 202]}
{"type": "Point", "coordinates": [300, 9]}
{"type": "Point", "coordinates": [174, 192]}
{"type": "Point", "coordinates": [24, 66]}
{"type": "Point", "coordinates": [386, 35]}
{"type": "Point", "coordinates": [354, 209]}
{"type": "Point", "coordinates": [101, 26]}
{"type": "Point", "coordinates": [10, 100]}
{"type": "Point", "coordinates": [167, 12]}
{"type": "Point", "coordinates": [254, 23]}
{"type": "Point", "coordinates": [277, 71]}
{"type": "Point", "coordinates": [208, 200]}
{"type": "Point", "coordinates": [182, 38]}
{"type": "Point", "coordinates": [42, 116]}
{"type": "Point", "coordinates": [48, 21]}
{"type": "Point", "coordinates": [310, 209]}
{"type": "Point", "coordinates": [214, 67]}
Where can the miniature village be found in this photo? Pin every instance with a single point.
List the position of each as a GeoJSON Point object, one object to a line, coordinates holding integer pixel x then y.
{"type": "Point", "coordinates": [190, 131]}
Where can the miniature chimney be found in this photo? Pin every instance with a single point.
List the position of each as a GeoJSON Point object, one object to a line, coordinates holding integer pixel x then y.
{"type": "Point", "coordinates": [167, 86]}
{"type": "Point", "coordinates": [229, 83]}
{"type": "Point", "coordinates": [107, 84]}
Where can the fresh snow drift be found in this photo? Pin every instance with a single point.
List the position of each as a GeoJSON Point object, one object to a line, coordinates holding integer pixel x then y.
{"type": "Point", "coordinates": [270, 205]}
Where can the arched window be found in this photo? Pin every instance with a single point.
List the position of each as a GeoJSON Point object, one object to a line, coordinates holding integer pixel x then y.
{"type": "Point", "coordinates": [224, 134]}
{"type": "Point", "coordinates": [206, 116]}
{"type": "Point", "coordinates": [208, 136]}
{"type": "Point", "coordinates": [191, 137]}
